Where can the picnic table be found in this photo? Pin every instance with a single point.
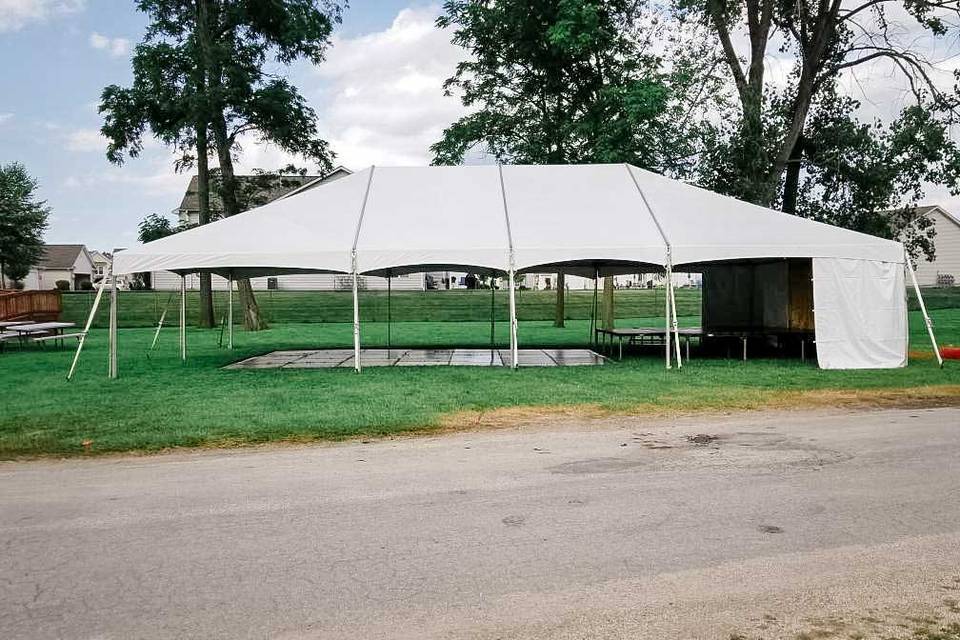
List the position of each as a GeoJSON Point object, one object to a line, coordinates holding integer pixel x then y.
{"type": "Point", "coordinates": [12, 323]}
{"type": "Point", "coordinates": [42, 331]}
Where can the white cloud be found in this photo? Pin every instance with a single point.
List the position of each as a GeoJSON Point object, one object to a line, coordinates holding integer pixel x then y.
{"type": "Point", "coordinates": [86, 140]}
{"type": "Point", "coordinates": [116, 47]}
{"type": "Point", "coordinates": [4, 117]}
{"type": "Point", "coordinates": [384, 101]}
{"type": "Point", "coordinates": [16, 14]}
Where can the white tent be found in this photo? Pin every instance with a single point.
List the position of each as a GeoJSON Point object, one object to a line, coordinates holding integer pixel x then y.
{"type": "Point", "coordinates": [585, 219]}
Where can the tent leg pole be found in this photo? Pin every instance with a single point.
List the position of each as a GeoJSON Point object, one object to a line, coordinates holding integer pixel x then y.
{"type": "Point", "coordinates": [493, 321]}
{"type": "Point", "coordinates": [668, 274]}
{"type": "Point", "coordinates": [389, 280]}
{"type": "Point", "coordinates": [923, 309]}
{"type": "Point", "coordinates": [230, 312]}
{"type": "Point", "coordinates": [514, 355]}
{"type": "Point", "coordinates": [356, 316]}
{"type": "Point", "coordinates": [676, 330]}
{"type": "Point", "coordinates": [183, 318]}
{"type": "Point", "coordinates": [593, 311]}
{"type": "Point", "coordinates": [112, 368]}
{"type": "Point", "coordinates": [86, 329]}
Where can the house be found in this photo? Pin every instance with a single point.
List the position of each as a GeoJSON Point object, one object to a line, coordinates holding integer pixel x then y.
{"type": "Point", "coordinates": [257, 191]}
{"type": "Point", "coordinates": [944, 269]}
{"type": "Point", "coordinates": [71, 263]}
{"type": "Point", "coordinates": [101, 264]}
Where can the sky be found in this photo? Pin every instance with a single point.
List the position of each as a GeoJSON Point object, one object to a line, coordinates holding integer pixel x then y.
{"type": "Point", "coordinates": [378, 96]}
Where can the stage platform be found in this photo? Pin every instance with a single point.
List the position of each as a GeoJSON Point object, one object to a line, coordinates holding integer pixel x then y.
{"type": "Point", "coordinates": [343, 358]}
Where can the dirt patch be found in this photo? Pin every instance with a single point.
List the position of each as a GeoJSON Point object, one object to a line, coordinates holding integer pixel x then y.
{"type": "Point", "coordinates": [703, 439]}
{"type": "Point", "coordinates": [848, 399]}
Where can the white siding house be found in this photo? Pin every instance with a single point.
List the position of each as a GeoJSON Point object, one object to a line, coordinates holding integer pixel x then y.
{"type": "Point", "coordinates": [69, 262]}
{"type": "Point", "coordinates": [944, 270]}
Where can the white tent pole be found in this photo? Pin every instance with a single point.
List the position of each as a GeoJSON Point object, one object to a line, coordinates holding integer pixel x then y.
{"type": "Point", "coordinates": [673, 315]}
{"type": "Point", "coordinates": [514, 351]}
{"type": "Point", "coordinates": [112, 368]}
{"type": "Point", "coordinates": [356, 275]}
{"type": "Point", "coordinates": [86, 328]}
{"type": "Point", "coordinates": [669, 266]}
{"type": "Point", "coordinates": [514, 355]}
{"type": "Point", "coordinates": [356, 315]}
{"type": "Point", "coordinates": [230, 312]}
{"type": "Point", "coordinates": [923, 309]}
{"type": "Point", "coordinates": [666, 311]}
{"type": "Point", "coordinates": [183, 317]}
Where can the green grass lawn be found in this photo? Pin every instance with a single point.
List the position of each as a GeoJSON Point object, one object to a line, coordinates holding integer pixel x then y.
{"type": "Point", "coordinates": [159, 402]}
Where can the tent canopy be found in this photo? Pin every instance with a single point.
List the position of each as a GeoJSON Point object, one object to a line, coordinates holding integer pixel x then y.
{"type": "Point", "coordinates": [582, 219]}
{"type": "Point", "coordinates": [574, 218]}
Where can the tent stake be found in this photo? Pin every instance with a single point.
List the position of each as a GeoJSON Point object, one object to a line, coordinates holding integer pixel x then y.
{"type": "Point", "coordinates": [923, 309]}
{"type": "Point", "coordinates": [112, 367]}
{"type": "Point", "coordinates": [183, 317]}
{"type": "Point", "coordinates": [86, 328]}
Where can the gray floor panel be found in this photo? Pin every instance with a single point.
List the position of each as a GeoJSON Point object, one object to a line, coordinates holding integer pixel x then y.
{"type": "Point", "coordinates": [343, 358]}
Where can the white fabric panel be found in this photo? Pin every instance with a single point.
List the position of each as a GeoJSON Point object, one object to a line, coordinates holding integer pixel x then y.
{"type": "Point", "coordinates": [579, 212]}
{"type": "Point", "coordinates": [860, 313]}
{"type": "Point", "coordinates": [433, 216]}
{"type": "Point", "coordinates": [425, 216]}
{"type": "Point", "coordinates": [702, 225]}
{"type": "Point", "coordinates": [306, 232]}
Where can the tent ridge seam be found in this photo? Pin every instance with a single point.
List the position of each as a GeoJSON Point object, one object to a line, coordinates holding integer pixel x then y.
{"type": "Point", "coordinates": [363, 209]}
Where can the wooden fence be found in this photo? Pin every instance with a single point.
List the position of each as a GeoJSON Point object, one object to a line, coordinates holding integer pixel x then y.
{"type": "Point", "coordinates": [30, 305]}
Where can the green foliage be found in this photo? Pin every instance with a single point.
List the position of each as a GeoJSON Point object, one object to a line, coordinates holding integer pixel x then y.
{"type": "Point", "coordinates": [23, 219]}
{"type": "Point", "coordinates": [62, 285]}
{"type": "Point", "coordinates": [564, 82]}
{"type": "Point", "coordinates": [866, 176]}
{"type": "Point", "coordinates": [156, 226]}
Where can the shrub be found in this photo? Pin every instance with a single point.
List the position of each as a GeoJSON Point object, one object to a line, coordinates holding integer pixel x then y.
{"type": "Point", "coordinates": [63, 285]}
{"type": "Point", "coordinates": [86, 285]}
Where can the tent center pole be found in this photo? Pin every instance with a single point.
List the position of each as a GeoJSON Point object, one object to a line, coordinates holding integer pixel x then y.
{"type": "Point", "coordinates": [356, 315]}
{"type": "Point", "coordinates": [923, 310]}
{"type": "Point", "coordinates": [230, 311]}
{"type": "Point", "coordinates": [183, 317]}
{"type": "Point", "coordinates": [593, 310]}
{"type": "Point", "coordinates": [673, 317]}
{"type": "Point", "coordinates": [389, 318]}
{"type": "Point", "coordinates": [492, 318]}
{"type": "Point", "coordinates": [514, 351]}
{"type": "Point", "coordinates": [668, 275]}
{"type": "Point", "coordinates": [112, 368]}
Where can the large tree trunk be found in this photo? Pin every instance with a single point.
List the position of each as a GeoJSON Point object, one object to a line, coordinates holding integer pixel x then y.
{"type": "Point", "coordinates": [560, 316]}
{"type": "Point", "coordinates": [203, 199]}
{"type": "Point", "coordinates": [606, 307]}
{"type": "Point", "coordinates": [252, 319]}
{"type": "Point", "coordinates": [791, 184]}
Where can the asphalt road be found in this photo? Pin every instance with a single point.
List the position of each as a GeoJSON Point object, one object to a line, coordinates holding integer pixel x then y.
{"type": "Point", "coordinates": [620, 528]}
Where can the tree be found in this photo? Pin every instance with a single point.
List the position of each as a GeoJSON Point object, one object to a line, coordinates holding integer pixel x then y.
{"type": "Point", "coordinates": [166, 97]}
{"type": "Point", "coordinates": [237, 39]}
{"type": "Point", "coordinates": [825, 38]}
{"type": "Point", "coordinates": [156, 226]}
{"type": "Point", "coordinates": [571, 81]}
{"type": "Point", "coordinates": [23, 219]}
{"type": "Point", "coordinates": [218, 51]}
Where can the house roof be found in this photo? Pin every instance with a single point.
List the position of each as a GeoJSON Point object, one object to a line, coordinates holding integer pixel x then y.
{"type": "Point", "coordinates": [280, 188]}
{"type": "Point", "coordinates": [60, 256]}
{"type": "Point", "coordinates": [927, 209]}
